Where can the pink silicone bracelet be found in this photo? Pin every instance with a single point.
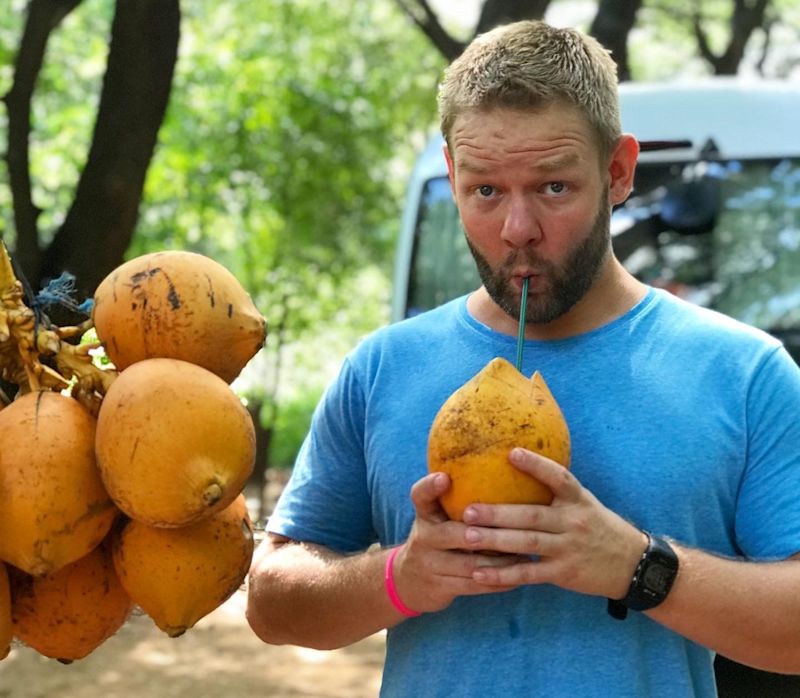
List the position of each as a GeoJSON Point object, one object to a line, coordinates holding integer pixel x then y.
{"type": "Point", "coordinates": [391, 589]}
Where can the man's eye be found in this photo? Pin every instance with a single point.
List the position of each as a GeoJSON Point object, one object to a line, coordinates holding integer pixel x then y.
{"type": "Point", "coordinates": [556, 187]}
{"type": "Point", "coordinates": [486, 190]}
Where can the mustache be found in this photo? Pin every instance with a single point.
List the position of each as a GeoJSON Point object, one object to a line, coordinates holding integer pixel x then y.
{"type": "Point", "coordinates": [527, 257]}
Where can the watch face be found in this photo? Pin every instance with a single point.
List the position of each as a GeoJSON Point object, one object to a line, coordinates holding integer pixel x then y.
{"type": "Point", "coordinates": [657, 578]}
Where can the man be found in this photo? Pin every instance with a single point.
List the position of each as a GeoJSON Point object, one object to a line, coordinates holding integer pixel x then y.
{"type": "Point", "coordinates": [681, 509]}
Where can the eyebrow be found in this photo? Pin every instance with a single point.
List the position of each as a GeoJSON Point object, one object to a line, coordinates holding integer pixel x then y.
{"type": "Point", "coordinates": [559, 162]}
{"type": "Point", "coordinates": [553, 164]}
{"type": "Point", "coordinates": [474, 167]}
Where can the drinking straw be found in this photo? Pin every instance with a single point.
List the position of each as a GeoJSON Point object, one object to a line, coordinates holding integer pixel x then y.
{"type": "Point", "coordinates": [523, 303]}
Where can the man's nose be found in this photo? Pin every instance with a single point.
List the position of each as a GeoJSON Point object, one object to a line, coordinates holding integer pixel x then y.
{"type": "Point", "coordinates": [521, 226]}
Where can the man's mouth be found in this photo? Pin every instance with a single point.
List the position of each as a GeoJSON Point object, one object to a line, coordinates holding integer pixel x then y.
{"type": "Point", "coordinates": [519, 276]}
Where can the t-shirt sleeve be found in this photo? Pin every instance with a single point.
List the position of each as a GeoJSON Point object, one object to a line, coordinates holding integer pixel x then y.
{"type": "Point", "coordinates": [768, 506]}
{"type": "Point", "coordinates": [326, 500]}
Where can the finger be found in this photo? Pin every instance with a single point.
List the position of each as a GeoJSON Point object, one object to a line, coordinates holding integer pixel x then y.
{"type": "Point", "coordinates": [437, 534]}
{"type": "Point", "coordinates": [529, 517]}
{"type": "Point", "coordinates": [425, 495]}
{"type": "Point", "coordinates": [459, 578]}
{"type": "Point", "coordinates": [463, 564]}
{"type": "Point", "coordinates": [558, 478]}
{"type": "Point", "coordinates": [470, 587]}
{"type": "Point", "coordinates": [520, 543]}
{"type": "Point", "coordinates": [531, 572]}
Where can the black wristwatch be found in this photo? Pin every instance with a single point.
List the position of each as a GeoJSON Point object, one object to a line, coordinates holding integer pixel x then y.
{"type": "Point", "coordinates": [651, 581]}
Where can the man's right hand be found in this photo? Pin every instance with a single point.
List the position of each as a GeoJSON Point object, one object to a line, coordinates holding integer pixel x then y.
{"type": "Point", "coordinates": [434, 567]}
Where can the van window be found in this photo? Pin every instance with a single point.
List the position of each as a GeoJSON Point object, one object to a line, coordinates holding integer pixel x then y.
{"type": "Point", "coordinates": [441, 263]}
{"type": "Point", "coordinates": [734, 245]}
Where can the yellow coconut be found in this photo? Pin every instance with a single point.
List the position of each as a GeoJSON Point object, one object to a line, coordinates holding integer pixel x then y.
{"type": "Point", "coordinates": [478, 425]}
{"type": "Point", "coordinates": [6, 632]}
{"type": "Point", "coordinates": [53, 506]}
{"type": "Point", "coordinates": [178, 305]}
{"type": "Point", "coordinates": [69, 613]}
{"type": "Point", "coordinates": [174, 442]}
{"type": "Point", "coordinates": [179, 575]}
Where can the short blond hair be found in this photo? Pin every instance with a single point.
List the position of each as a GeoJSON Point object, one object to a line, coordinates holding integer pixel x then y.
{"type": "Point", "coordinates": [531, 65]}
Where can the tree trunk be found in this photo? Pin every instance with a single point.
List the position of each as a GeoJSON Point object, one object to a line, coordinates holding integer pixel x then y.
{"type": "Point", "coordinates": [42, 18]}
{"type": "Point", "coordinates": [258, 479]}
{"type": "Point", "coordinates": [497, 12]}
{"type": "Point", "coordinates": [100, 223]}
{"type": "Point", "coordinates": [748, 15]}
{"type": "Point", "coordinates": [493, 13]}
{"type": "Point", "coordinates": [611, 26]}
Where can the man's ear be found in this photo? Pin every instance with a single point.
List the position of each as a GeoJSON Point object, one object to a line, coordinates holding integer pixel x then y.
{"type": "Point", "coordinates": [451, 173]}
{"type": "Point", "coordinates": [622, 167]}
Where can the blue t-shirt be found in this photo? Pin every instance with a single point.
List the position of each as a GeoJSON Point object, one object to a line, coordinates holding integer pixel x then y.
{"type": "Point", "coordinates": [683, 421]}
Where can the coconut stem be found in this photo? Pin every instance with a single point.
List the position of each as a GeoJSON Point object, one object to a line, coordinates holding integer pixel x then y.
{"type": "Point", "coordinates": [212, 494]}
{"type": "Point", "coordinates": [523, 305]}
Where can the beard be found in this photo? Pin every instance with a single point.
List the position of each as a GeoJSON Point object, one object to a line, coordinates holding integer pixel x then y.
{"type": "Point", "coordinates": [563, 285]}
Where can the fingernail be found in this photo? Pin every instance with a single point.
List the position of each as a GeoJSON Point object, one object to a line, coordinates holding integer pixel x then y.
{"type": "Point", "coordinates": [470, 515]}
{"type": "Point", "coordinates": [472, 535]}
{"type": "Point", "coordinates": [517, 455]}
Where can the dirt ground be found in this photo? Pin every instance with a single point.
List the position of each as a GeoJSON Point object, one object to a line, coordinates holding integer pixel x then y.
{"type": "Point", "coordinates": [219, 657]}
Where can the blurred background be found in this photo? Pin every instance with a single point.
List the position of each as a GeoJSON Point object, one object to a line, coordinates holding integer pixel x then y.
{"type": "Point", "coordinates": [278, 137]}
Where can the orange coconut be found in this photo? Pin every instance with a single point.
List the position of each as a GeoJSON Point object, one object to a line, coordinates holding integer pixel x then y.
{"type": "Point", "coordinates": [478, 425]}
{"type": "Point", "coordinates": [178, 305]}
{"type": "Point", "coordinates": [174, 442]}
{"type": "Point", "coordinates": [179, 575]}
{"type": "Point", "coordinates": [53, 506]}
{"type": "Point", "coordinates": [69, 613]}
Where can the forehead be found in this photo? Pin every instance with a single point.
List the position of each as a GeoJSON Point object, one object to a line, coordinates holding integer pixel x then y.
{"type": "Point", "coordinates": [557, 133]}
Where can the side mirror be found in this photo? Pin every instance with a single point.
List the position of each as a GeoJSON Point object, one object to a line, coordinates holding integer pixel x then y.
{"type": "Point", "coordinates": [691, 207]}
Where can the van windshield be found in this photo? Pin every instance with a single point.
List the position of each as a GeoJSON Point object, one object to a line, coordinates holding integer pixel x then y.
{"type": "Point", "coordinates": [723, 234]}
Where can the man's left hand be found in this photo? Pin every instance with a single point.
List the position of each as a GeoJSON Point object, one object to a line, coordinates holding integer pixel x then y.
{"type": "Point", "coordinates": [578, 543]}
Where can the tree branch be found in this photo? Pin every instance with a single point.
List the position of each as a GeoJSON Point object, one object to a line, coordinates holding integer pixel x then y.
{"type": "Point", "coordinates": [420, 12]}
{"type": "Point", "coordinates": [702, 39]}
{"type": "Point", "coordinates": [611, 26]}
{"type": "Point", "coordinates": [496, 12]}
{"type": "Point", "coordinates": [762, 59]}
{"type": "Point", "coordinates": [744, 21]}
{"type": "Point", "coordinates": [42, 18]}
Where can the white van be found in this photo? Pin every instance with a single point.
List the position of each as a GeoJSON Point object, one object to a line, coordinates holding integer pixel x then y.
{"type": "Point", "coordinates": [714, 215]}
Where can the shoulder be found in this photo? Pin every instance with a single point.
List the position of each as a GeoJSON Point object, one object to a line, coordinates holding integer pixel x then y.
{"type": "Point", "coordinates": [708, 344]}
{"type": "Point", "coordinates": [708, 326]}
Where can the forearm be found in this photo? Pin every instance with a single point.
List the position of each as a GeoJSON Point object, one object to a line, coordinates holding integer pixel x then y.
{"type": "Point", "coordinates": [746, 611]}
{"type": "Point", "coordinates": [309, 596]}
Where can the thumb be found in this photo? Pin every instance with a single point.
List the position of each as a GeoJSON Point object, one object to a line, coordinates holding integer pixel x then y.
{"type": "Point", "coordinates": [425, 495]}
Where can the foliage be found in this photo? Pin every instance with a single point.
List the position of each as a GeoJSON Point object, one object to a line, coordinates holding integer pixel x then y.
{"type": "Point", "coordinates": [663, 45]}
{"type": "Point", "coordinates": [291, 426]}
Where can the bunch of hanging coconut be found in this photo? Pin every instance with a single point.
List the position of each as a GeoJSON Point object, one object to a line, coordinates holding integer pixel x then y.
{"type": "Point", "coordinates": [122, 486]}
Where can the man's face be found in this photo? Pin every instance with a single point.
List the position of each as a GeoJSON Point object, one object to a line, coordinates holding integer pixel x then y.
{"type": "Point", "coordinates": [561, 285]}
{"type": "Point", "coordinates": [534, 201]}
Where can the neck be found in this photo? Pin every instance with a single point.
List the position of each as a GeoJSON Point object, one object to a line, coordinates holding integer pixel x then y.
{"type": "Point", "coordinates": [614, 293]}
